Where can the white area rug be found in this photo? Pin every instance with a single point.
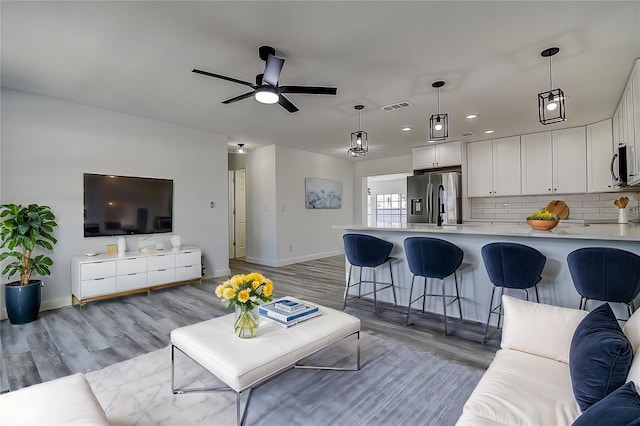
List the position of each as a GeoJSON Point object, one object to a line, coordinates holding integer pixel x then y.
{"type": "Point", "coordinates": [395, 386]}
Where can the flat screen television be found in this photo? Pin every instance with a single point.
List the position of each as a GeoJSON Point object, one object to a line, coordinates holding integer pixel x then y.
{"type": "Point", "coordinates": [126, 205]}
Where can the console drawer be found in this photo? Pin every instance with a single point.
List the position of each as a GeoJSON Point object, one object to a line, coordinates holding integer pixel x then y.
{"type": "Point", "coordinates": [188, 258]}
{"type": "Point", "coordinates": [184, 273]}
{"type": "Point", "coordinates": [132, 265]}
{"type": "Point", "coordinates": [97, 287]}
{"type": "Point", "coordinates": [161, 276]}
{"type": "Point", "coordinates": [132, 281]}
{"type": "Point", "coordinates": [161, 261]}
{"type": "Point", "coordinates": [90, 271]}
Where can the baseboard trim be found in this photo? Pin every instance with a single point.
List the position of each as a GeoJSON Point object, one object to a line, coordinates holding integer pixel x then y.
{"type": "Point", "coordinates": [293, 260]}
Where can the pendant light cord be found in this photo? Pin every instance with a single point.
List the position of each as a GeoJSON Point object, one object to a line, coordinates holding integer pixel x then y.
{"type": "Point", "coordinates": [550, 79]}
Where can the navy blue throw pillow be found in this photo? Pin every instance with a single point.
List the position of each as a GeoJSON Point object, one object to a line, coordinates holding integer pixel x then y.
{"type": "Point", "coordinates": [621, 407]}
{"type": "Point", "coordinates": [599, 358]}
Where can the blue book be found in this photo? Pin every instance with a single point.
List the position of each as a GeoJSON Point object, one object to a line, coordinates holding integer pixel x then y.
{"type": "Point", "coordinates": [271, 310]}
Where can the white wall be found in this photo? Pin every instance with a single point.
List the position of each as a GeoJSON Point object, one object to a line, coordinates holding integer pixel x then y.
{"type": "Point", "coordinates": [48, 144]}
{"type": "Point", "coordinates": [261, 206]}
{"type": "Point", "coordinates": [377, 167]}
{"type": "Point", "coordinates": [306, 234]}
{"type": "Point", "coordinates": [280, 230]}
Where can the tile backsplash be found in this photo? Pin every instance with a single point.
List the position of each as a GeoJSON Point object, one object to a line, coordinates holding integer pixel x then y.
{"type": "Point", "coordinates": [581, 206]}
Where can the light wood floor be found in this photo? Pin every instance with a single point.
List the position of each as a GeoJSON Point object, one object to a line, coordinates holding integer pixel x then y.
{"type": "Point", "coordinates": [70, 340]}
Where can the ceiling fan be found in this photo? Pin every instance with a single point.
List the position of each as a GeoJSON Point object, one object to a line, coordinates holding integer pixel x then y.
{"type": "Point", "coordinates": [266, 89]}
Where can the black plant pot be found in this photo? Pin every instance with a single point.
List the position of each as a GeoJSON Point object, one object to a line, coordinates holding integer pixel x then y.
{"type": "Point", "coordinates": [23, 301]}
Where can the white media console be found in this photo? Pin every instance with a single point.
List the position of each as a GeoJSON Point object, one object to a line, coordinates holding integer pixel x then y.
{"type": "Point", "coordinates": [104, 276]}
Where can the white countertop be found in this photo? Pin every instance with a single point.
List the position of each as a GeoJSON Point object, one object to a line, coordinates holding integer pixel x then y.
{"type": "Point", "coordinates": [608, 231]}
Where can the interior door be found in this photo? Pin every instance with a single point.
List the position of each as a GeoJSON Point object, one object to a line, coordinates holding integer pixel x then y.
{"type": "Point", "coordinates": [241, 214]}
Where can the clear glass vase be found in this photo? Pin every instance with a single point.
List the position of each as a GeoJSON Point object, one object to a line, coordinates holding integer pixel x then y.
{"type": "Point", "coordinates": [247, 322]}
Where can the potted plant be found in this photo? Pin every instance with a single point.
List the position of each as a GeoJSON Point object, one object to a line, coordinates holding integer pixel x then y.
{"type": "Point", "coordinates": [22, 229]}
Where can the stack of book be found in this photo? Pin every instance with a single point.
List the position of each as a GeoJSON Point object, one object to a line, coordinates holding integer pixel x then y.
{"type": "Point", "coordinates": [288, 311]}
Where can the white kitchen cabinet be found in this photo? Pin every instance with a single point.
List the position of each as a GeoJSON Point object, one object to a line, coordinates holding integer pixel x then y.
{"type": "Point", "coordinates": [570, 160]}
{"type": "Point", "coordinates": [537, 163]}
{"type": "Point", "coordinates": [600, 150]}
{"type": "Point", "coordinates": [554, 162]}
{"type": "Point", "coordinates": [437, 155]}
{"type": "Point", "coordinates": [626, 124]}
{"type": "Point", "coordinates": [104, 276]}
{"type": "Point", "coordinates": [493, 167]}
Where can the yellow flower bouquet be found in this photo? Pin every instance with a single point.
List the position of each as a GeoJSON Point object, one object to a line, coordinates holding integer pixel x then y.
{"type": "Point", "coordinates": [245, 291]}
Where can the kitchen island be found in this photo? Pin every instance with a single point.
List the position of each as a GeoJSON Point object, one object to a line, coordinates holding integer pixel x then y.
{"type": "Point", "coordinates": [556, 287]}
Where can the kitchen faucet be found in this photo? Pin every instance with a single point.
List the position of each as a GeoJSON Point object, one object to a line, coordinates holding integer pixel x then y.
{"type": "Point", "coordinates": [440, 204]}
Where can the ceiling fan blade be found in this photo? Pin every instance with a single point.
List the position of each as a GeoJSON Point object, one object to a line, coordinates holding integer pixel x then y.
{"type": "Point", "coordinates": [238, 98]}
{"type": "Point", "coordinates": [210, 74]}
{"type": "Point", "coordinates": [272, 70]}
{"type": "Point", "coordinates": [286, 103]}
{"type": "Point", "coordinates": [309, 90]}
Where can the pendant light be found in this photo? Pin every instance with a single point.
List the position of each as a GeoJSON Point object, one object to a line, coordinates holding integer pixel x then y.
{"type": "Point", "coordinates": [359, 138]}
{"type": "Point", "coordinates": [551, 104]}
{"type": "Point", "coordinates": [438, 123]}
{"type": "Point", "coordinates": [240, 149]}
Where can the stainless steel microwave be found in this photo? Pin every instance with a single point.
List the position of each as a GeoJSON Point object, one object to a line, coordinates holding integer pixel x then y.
{"type": "Point", "coordinates": [619, 167]}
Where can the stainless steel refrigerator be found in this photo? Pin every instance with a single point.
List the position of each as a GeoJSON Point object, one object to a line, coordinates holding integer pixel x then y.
{"type": "Point", "coordinates": [435, 197]}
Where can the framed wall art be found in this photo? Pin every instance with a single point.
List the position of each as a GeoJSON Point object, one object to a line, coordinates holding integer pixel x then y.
{"type": "Point", "coordinates": [323, 193]}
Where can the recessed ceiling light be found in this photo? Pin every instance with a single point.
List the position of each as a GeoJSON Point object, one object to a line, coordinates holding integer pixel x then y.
{"type": "Point", "coordinates": [472, 116]}
{"type": "Point", "coordinates": [407, 129]}
{"type": "Point", "coordinates": [489, 131]}
{"type": "Point", "coordinates": [431, 141]}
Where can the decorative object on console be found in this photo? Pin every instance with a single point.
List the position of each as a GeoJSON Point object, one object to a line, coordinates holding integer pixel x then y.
{"type": "Point", "coordinates": [122, 246]}
{"type": "Point", "coordinates": [245, 292]}
{"type": "Point", "coordinates": [438, 123]}
{"type": "Point", "coordinates": [359, 139]}
{"type": "Point", "coordinates": [323, 193]}
{"type": "Point", "coordinates": [551, 104]}
{"type": "Point", "coordinates": [112, 249]}
{"type": "Point", "coordinates": [542, 220]}
{"type": "Point", "coordinates": [621, 204]}
{"type": "Point", "coordinates": [25, 228]}
{"type": "Point", "coordinates": [175, 241]}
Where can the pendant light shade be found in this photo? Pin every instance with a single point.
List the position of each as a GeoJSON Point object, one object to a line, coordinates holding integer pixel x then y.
{"type": "Point", "coordinates": [359, 138]}
{"type": "Point", "coordinates": [240, 149]}
{"type": "Point", "coordinates": [551, 103]}
{"type": "Point", "coordinates": [438, 123]}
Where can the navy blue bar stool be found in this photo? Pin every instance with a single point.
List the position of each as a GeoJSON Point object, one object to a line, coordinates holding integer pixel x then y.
{"type": "Point", "coordinates": [605, 274]}
{"type": "Point", "coordinates": [433, 258]}
{"type": "Point", "coordinates": [514, 266]}
{"type": "Point", "coordinates": [366, 251]}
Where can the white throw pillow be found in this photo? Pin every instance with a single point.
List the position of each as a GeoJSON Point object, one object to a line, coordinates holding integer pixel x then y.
{"type": "Point", "coordinates": [539, 329]}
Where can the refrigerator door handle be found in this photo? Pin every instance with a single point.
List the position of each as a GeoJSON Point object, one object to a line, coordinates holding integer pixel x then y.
{"type": "Point", "coordinates": [429, 202]}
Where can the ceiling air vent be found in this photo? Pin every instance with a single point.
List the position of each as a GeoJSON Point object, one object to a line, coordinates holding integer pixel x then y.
{"type": "Point", "coordinates": [396, 106]}
{"type": "Point", "coordinates": [467, 134]}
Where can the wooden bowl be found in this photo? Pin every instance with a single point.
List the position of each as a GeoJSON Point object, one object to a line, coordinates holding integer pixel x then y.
{"type": "Point", "coordinates": [543, 225]}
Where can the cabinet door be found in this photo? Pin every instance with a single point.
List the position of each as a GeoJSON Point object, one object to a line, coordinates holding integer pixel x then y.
{"type": "Point", "coordinates": [507, 173]}
{"type": "Point", "coordinates": [449, 154]}
{"type": "Point", "coordinates": [131, 281]}
{"type": "Point", "coordinates": [600, 150]}
{"type": "Point", "coordinates": [570, 160]}
{"type": "Point", "coordinates": [537, 163]}
{"type": "Point", "coordinates": [479, 169]}
{"type": "Point", "coordinates": [424, 157]}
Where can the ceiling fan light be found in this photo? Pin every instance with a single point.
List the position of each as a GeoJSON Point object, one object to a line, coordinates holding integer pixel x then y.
{"type": "Point", "coordinates": [267, 95]}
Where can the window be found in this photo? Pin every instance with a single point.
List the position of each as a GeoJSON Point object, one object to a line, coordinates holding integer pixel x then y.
{"type": "Point", "coordinates": [391, 210]}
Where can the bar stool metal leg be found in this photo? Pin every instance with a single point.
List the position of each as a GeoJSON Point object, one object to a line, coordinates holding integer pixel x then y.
{"type": "Point", "coordinates": [346, 290]}
{"type": "Point", "coordinates": [455, 276]}
{"type": "Point", "coordinates": [375, 298]}
{"type": "Point", "coordinates": [410, 301]}
{"type": "Point", "coordinates": [393, 287]}
{"type": "Point", "coordinates": [486, 329]}
{"type": "Point", "coordinates": [444, 305]}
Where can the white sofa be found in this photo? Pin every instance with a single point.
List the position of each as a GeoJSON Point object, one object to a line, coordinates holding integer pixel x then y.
{"type": "Point", "coordinates": [528, 382]}
{"type": "Point", "coordinates": [65, 401]}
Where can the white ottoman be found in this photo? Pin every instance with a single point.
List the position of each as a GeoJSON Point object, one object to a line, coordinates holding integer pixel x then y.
{"type": "Point", "coordinates": [245, 363]}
